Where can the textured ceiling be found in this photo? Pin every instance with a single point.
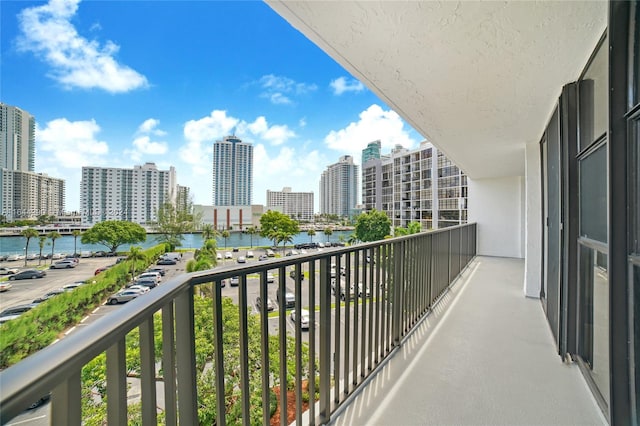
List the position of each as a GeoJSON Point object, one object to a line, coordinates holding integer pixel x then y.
{"type": "Point", "coordinates": [478, 79]}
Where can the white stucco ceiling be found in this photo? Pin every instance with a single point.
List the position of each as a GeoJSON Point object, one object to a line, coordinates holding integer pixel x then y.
{"type": "Point", "coordinates": [478, 79]}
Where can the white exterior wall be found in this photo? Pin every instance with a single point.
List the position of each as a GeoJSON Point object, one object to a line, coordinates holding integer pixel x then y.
{"type": "Point", "coordinates": [533, 223]}
{"type": "Point", "coordinates": [496, 206]}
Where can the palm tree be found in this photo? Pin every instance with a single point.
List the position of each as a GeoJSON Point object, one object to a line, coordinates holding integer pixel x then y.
{"type": "Point", "coordinates": [41, 240]}
{"type": "Point", "coordinates": [252, 230]}
{"type": "Point", "coordinates": [328, 231]}
{"type": "Point", "coordinates": [311, 233]}
{"type": "Point", "coordinates": [76, 233]}
{"type": "Point", "coordinates": [135, 254]}
{"type": "Point", "coordinates": [225, 234]}
{"type": "Point", "coordinates": [208, 232]}
{"type": "Point", "coordinates": [28, 234]}
{"type": "Point", "coordinates": [53, 235]}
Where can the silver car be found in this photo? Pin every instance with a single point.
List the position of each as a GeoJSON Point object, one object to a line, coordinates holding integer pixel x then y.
{"type": "Point", "coordinates": [123, 296]}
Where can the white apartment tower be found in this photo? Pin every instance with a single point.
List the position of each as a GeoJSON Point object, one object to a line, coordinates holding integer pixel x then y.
{"type": "Point", "coordinates": [232, 172]}
{"type": "Point", "coordinates": [133, 195]}
{"type": "Point", "coordinates": [339, 188]}
{"type": "Point", "coordinates": [24, 194]}
{"type": "Point", "coordinates": [17, 139]}
{"type": "Point", "coordinates": [420, 185]}
{"type": "Point", "coordinates": [297, 205]}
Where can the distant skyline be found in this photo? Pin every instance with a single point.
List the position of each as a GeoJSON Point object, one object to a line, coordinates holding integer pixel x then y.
{"type": "Point", "coordinates": [118, 84]}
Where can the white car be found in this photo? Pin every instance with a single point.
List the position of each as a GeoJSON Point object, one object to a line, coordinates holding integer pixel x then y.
{"type": "Point", "coordinates": [249, 255]}
{"type": "Point", "coordinates": [5, 286]}
{"type": "Point", "coordinates": [142, 289]}
{"type": "Point", "coordinates": [304, 318]}
{"type": "Point", "coordinates": [156, 275]}
{"type": "Point", "coordinates": [218, 256]}
{"type": "Point", "coordinates": [63, 264]}
{"type": "Point", "coordinates": [8, 271]}
{"type": "Point", "coordinates": [228, 255]}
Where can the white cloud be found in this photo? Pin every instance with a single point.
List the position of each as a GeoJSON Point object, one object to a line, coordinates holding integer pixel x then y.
{"type": "Point", "coordinates": [150, 126]}
{"type": "Point", "coordinates": [341, 85]}
{"type": "Point", "coordinates": [276, 134]}
{"type": "Point", "coordinates": [64, 147]}
{"type": "Point", "coordinates": [280, 89]}
{"type": "Point", "coordinates": [75, 61]}
{"type": "Point", "coordinates": [374, 124]}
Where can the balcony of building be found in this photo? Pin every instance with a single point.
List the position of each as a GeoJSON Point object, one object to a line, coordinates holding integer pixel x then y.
{"type": "Point", "coordinates": [450, 351]}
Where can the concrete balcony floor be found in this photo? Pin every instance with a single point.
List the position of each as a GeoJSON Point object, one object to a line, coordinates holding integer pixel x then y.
{"type": "Point", "coordinates": [485, 356]}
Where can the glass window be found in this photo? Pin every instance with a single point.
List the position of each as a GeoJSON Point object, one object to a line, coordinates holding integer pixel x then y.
{"type": "Point", "coordinates": [594, 99]}
{"type": "Point", "coordinates": [593, 195]}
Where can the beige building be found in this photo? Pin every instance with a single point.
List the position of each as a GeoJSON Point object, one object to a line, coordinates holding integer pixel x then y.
{"type": "Point", "coordinates": [297, 205]}
{"type": "Point", "coordinates": [27, 195]}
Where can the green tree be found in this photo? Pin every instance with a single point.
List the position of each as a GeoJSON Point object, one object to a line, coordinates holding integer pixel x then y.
{"type": "Point", "coordinates": [113, 233]}
{"type": "Point", "coordinates": [225, 234]}
{"type": "Point", "coordinates": [43, 219]}
{"type": "Point", "coordinates": [76, 233]}
{"type": "Point", "coordinates": [136, 254]}
{"type": "Point", "coordinates": [28, 234]}
{"type": "Point", "coordinates": [412, 228]}
{"type": "Point", "coordinates": [328, 231]}
{"type": "Point", "coordinates": [252, 230]}
{"type": "Point", "coordinates": [277, 226]}
{"type": "Point", "coordinates": [208, 232]}
{"type": "Point", "coordinates": [311, 233]}
{"type": "Point", "coordinates": [53, 236]}
{"type": "Point", "coordinates": [41, 241]}
{"type": "Point", "coordinates": [172, 223]}
{"type": "Point", "coordinates": [372, 226]}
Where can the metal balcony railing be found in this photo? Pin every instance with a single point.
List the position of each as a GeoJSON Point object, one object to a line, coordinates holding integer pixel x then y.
{"type": "Point", "coordinates": [362, 300]}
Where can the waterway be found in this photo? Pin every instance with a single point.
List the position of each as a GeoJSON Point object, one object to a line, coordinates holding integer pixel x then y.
{"type": "Point", "coordinates": [65, 244]}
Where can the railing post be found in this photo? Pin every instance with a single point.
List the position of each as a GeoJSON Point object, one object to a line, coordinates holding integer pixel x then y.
{"type": "Point", "coordinates": [396, 306]}
{"type": "Point", "coordinates": [116, 384]}
{"type": "Point", "coordinates": [186, 358]}
{"type": "Point", "coordinates": [148, 373]}
{"type": "Point", "coordinates": [66, 406]}
{"type": "Point", "coordinates": [169, 366]}
{"type": "Point", "coordinates": [325, 343]}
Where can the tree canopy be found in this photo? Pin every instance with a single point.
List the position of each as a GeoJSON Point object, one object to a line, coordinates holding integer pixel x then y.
{"type": "Point", "coordinates": [372, 226]}
{"type": "Point", "coordinates": [172, 222]}
{"type": "Point", "coordinates": [278, 227]}
{"type": "Point", "coordinates": [113, 233]}
{"type": "Point", "coordinates": [412, 228]}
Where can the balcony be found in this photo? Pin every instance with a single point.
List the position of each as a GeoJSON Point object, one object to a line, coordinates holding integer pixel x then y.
{"type": "Point", "coordinates": [454, 342]}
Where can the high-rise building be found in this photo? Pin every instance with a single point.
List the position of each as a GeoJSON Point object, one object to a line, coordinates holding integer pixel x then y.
{"type": "Point", "coordinates": [232, 172]}
{"type": "Point", "coordinates": [420, 185]}
{"type": "Point", "coordinates": [183, 199]}
{"type": "Point", "coordinates": [372, 151]}
{"type": "Point", "coordinates": [339, 188]}
{"type": "Point", "coordinates": [17, 139]}
{"type": "Point", "coordinates": [297, 205]}
{"type": "Point", "coordinates": [27, 195]}
{"type": "Point", "coordinates": [134, 195]}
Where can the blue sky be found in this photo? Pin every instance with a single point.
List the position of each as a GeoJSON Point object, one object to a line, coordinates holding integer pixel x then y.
{"type": "Point", "coordinates": [120, 83]}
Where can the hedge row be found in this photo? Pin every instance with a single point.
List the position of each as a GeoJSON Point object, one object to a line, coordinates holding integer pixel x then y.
{"type": "Point", "coordinates": [39, 327]}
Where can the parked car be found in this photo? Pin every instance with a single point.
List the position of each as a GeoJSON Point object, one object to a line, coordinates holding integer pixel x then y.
{"type": "Point", "coordinates": [262, 257]}
{"type": "Point", "coordinates": [161, 271]}
{"type": "Point", "coordinates": [64, 264]}
{"type": "Point", "coordinates": [289, 298]}
{"type": "Point", "coordinates": [32, 256]}
{"type": "Point", "coordinates": [142, 289]}
{"type": "Point", "coordinates": [163, 261]}
{"type": "Point", "coordinates": [270, 253]}
{"type": "Point", "coordinates": [235, 249]}
{"type": "Point", "coordinates": [122, 297]}
{"type": "Point", "coordinates": [153, 275]}
{"type": "Point", "coordinates": [5, 286]}
{"type": "Point", "coordinates": [14, 257]}
{"type": "Point", "coordinates": [235, 281]}
{"type": "Point", "coordinates": [270, 305]}
{"type": "Point", "coordinates": [270, 278]}
{"type": "Point", "coordinates": [17, 310]}
{"type": "Point", "coordinates": [304, 318]}
{"type": "Point", "coordinates": [48, 295]}
{"type": "Point", "coordinates": [72, 286]}
{"type": "Point", "coordinates": [364, 290]}
{"type": "Point", "coordinates": [85, 254]}
{"type": "Point", "coordinates": [172, 255]}
{"type": "Point", "coordinates": [249, 255]}
{"type": "Point", "coordinates": [242, 259]}
{"type": "Point", "coordinates": [8, 271]}
{"type": "Point", "coordinates": [218, 256]}
{"type": "Point", "coordinates": [228, 255]}
{"type": "Point", "coordinates": [101, 269]}
{"type": "Point", "coordinates": [28, 274]}
{"type": "Point", "coordinates": [100, 253]}
{"type": "Point", "coordinates": [148, 282]}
